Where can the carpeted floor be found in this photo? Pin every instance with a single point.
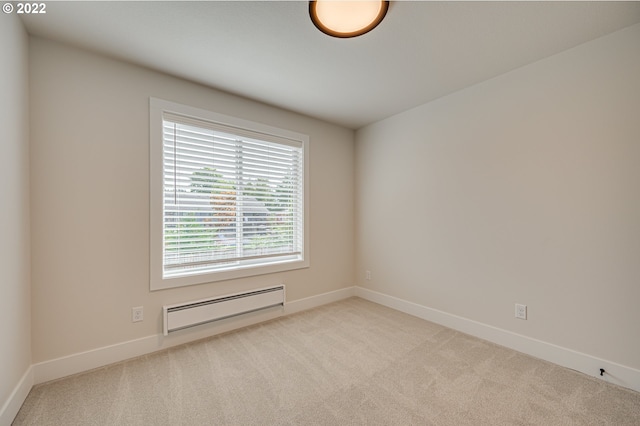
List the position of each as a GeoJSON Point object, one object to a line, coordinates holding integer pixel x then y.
{"type": "Point", "coordinates": [348, 363]}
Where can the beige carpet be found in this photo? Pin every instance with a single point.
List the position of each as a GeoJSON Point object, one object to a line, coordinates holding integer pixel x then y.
{"type": "Point", "coordinates": [347, 363]}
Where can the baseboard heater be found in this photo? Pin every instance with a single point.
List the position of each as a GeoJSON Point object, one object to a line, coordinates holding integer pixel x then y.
{"type": "Point", "coordinates": [184, 315]}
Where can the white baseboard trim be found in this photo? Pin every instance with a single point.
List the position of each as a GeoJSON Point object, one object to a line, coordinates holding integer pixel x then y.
{"type": "Point", "coordinates": [321, 299]}
{"type": "Point", "coordinates": [12, 405]}
{"type": "Point", "coordinates": [77, 363]}
{"type": "Point", "coordinates": [615, 373]}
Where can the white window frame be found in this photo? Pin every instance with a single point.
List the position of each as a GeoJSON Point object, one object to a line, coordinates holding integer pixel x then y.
{"type": "Point", "coordinates": [157, 108]}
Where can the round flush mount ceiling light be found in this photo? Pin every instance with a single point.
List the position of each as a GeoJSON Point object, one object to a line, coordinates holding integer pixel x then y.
{"type": "Point", "coordinates": [346, 19]}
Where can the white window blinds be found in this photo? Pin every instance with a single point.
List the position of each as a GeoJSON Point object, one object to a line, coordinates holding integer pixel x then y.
{"type": "Point", "coordinates": [232, 198]}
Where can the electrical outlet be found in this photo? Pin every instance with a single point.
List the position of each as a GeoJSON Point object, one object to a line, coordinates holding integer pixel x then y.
{"type": "Point", "coordinates": [521, 311]}
{"type": "Point", "coordinates": [137, 314]}
{"type": "Point", "coordinates": [367, 275]}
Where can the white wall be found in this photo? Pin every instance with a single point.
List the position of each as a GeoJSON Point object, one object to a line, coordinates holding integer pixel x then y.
{"type": "Point", "coordinates": [15, 312]}
{"type": "Point", "coordinates": [522, 189]}
{"type": "Point", "coordinates": [90, 199]}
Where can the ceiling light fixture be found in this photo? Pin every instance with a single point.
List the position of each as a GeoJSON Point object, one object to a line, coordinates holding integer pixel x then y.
{"type": "Point", "coordinates": [345, 19]}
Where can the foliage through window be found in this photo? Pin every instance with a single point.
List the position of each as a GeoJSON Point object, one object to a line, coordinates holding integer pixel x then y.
{"type": "Point", "coordinates": [232, 199]}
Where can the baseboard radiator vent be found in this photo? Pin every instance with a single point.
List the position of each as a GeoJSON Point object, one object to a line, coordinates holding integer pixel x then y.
{"type": "Point", "coordinates": [184, 315]}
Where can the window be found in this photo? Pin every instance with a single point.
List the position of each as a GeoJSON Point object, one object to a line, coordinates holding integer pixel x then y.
{"type": "Point", "coordinates": [228, 197]}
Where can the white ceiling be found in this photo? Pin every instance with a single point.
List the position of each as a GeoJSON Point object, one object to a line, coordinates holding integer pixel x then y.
{"type": "Point", "coordinates": [271, 52]}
